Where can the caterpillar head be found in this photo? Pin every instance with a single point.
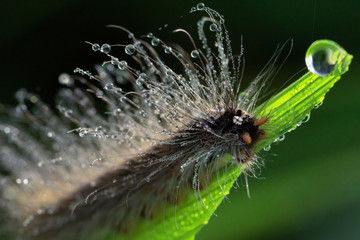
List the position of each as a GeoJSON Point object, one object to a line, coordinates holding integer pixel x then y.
{"type": "Point", "coordinates": [238, 125]}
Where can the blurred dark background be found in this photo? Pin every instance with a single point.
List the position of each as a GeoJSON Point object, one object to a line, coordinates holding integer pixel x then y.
{"type": "Point", "coordinates": [309, 188]}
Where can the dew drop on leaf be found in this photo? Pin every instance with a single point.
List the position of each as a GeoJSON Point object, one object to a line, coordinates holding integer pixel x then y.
{"type": "Point", "coordinates": [322, 57]}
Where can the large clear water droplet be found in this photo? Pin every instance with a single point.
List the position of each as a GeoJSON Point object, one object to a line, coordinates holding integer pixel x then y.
{"type": "Point", "coordinates": [322, 56]}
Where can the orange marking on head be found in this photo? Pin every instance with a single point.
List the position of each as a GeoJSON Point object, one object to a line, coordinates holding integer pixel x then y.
{"type": "Point", "coordinates": [260, 121]}
{"type": "Point", "coordinates": [246, 138]}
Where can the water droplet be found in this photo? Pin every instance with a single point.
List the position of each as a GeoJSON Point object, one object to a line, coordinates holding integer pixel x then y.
{"type": "Point", "coordinates": [83, 133]}
{"type": "Point", "coordinates": [122, 65]}
{"type": "Point", "coordinates": [33, 99]}
{"type": "Point", "coordinates": [21, 94]}
{"type": "Point", "coordinates": [281, 138]}
{"type": "Point", "coordinates": [200, 6]}
{"type": "Point", "coordinates": [194, 53]}
{"type": "Point", "coordinates": [213, 27]}
{"type": "Point", "coordinates": [114, 60]}
{"type": "Point", "coordinates": [21, 108]}
{"type": "Point", "coordinates": [95, 47]}
{"type": "Point", "coordinates": [7, 130]}
{"type": "Point", "coordinates": [41, 210]}
{"type": "Point", "coordinates": [306, 119]}
{"type": "Point", "coordinates": [322, 56]}
{"type": "Point", "coordinates": [142, 75]}
{"type": "Point", "coordinates": [129, 49]}
{"type": "Point", "coordinates": [167, 50]}
{"type": "Point", "coordinates": [122, 99]}
{"type": "Point", "coordinates": [155, 41]}
{"type": "Point", "coordinates": [150, 35]}
{"type": "Point", "coordinates": [65, 79]}
{"type": "Point", "coordinates": [139, 82]}
{"type": "Point", "coordinates": [105, 48]}
{"type": "Point", "coordinates": [117, 111]}
{"type": "Point", "coordinates": [99, 93]}
{"type": "Point", "coordinates": [318, 105]}
{"type": "Point", "coordinates": [109, 86]}
{"type": "Point", "coordinates": [267, 148]}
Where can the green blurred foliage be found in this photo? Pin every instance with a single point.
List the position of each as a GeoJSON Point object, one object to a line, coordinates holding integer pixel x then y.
{"type": "Point", "coordinates": [309, 187]}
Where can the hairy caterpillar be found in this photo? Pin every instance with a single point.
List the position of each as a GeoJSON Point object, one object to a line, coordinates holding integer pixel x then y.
{"type": "Point", "coordinates": [160, 142]}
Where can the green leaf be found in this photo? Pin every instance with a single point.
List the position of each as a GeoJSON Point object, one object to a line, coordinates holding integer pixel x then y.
{"type": "Point", "coordinates": [286, 111]}
{"type": "Point", "coordinates": [291, 107]}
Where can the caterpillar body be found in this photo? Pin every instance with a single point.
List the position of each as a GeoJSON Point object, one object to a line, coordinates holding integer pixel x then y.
{"type": "Point", "coordinates": [159, 142]}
